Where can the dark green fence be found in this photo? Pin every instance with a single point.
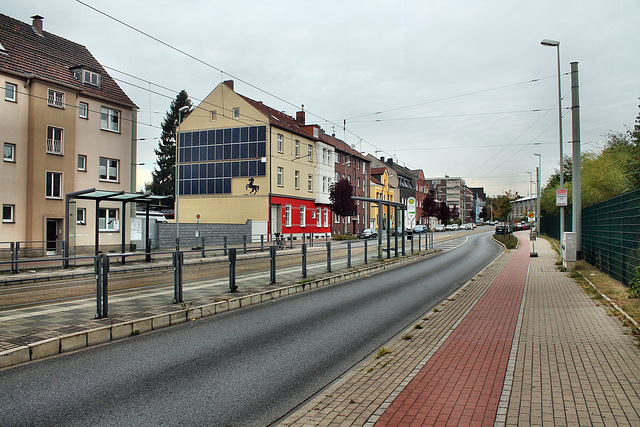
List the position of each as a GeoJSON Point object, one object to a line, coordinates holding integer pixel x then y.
{"type": "Point", "coordinates": [550, 225]}
{"type": "Point", "coordinates": [610, 236]}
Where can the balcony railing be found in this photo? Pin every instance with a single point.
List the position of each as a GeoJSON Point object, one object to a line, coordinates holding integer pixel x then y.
{"type": "Point", "coordinates": [54, 146]}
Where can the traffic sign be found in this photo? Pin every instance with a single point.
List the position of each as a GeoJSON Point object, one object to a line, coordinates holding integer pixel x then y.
{"type": "Point", "coordinates": [411, 208]}
{"type": "Point", "coordinates": [198, 217]}
{"type": "Point", "coordinates": [562, 197]}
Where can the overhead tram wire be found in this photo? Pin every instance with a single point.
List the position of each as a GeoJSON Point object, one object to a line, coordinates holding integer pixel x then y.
{"type": "Point", "coordinates": [448, 116]}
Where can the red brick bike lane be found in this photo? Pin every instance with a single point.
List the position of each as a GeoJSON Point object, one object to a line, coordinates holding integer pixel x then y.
{"type": "Point", "coordinates": [462, 382]}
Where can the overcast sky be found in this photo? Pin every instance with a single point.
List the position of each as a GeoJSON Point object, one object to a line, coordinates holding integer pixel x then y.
{"type": "Point", "coordinates": [462, 88]}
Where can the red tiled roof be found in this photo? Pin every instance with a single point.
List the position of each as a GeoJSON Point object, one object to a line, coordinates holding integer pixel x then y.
{"type": "Point", "coordinates": [278, 118]}
{"type": "Point", "coordinates": [339, 144]}
{"type": "Point", "coordinates": [378, 171]}
{"type": "Point", "coordinates": [52, 57]}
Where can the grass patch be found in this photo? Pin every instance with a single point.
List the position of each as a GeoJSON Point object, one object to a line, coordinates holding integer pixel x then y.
{"type": "Point", "coordinates": [509, 240]}
{"type": "Point", "coordinates": [382, 352]}
{"type": "Point", "coordinates": [407, 337]}
{"type": "Point", "coordinates": [344, 237]}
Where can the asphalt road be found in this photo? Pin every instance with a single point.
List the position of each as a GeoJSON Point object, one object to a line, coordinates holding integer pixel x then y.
{"type": "Point", "coordinates": [248, 367]}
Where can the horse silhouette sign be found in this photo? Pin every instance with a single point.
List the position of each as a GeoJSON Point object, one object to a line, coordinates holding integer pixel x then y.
{"type": "Point", "coordinates": [254, 188]}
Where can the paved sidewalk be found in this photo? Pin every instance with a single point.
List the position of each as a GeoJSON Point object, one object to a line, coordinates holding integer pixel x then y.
{"type": "Point", "coordinates": [521, 344]}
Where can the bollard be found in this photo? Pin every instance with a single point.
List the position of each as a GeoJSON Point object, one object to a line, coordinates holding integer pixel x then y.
{"type": "Point", "coordinates": [232, 271]}
{"type": "Point", "coordinates": [97, 268]}
{"type": "Point", "coordinates": [147, 257]}
{"type": "Point", "coordinates": [177, 276]}
{"type": "Point", "coordinates": [328, 257]}
{"type": "Point", "coordinates": [105, 285]}
{"type": "Point", "coordinates": [224, 239]}
{"type": "Point", "coordinates": [419, 242]}
{"type": "Point", "coordinates": [12, 247]}
{"type": "Point", "coordinates": [262, 243]}
{"type": "Point", "coordinates": [244, 244]}
{"type": "Point", "coordinates": [412, 238]}
{"type": "Point", "coordinates": [348, 253]}
{"type": "Point", "coordinates": [291, 241]}
{"type": "Point", "coordinates": [304, 260]}
{"type": "Point", "coordinates": [272, 264]}
{"type": "Point", "coordinates": [365, 251]}
{"type": "Point", "coordinates": [203, 248]}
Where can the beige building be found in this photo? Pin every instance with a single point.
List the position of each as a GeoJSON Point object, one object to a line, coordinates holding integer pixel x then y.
{"type": "Point", "coordinates": [66, 126]}
{"type": "Point", "coordinates": [241, 160]}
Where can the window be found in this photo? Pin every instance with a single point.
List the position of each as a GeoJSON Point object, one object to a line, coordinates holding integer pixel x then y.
{"type": "Point", "coordinates": [303, 216]}
{"type": "Point", "coordinates": [82, 162]}
{"type": "Point", "coordinates": [236, 113]}
{"type": "Point", "coordinates": [91, 78]}
{"type": "Point", "coordinates": [319, 217]}
{"type": "Point", "coordinates": [8, 213]}
{"type": "Point", "coordinates": [296, 180]}
{"type": "Point", "coordinates": [324, 184]}
{"type": "Point", "coordinates": [81, 216]}
{"type": "Point", "coordinates": [109, 169]}
{"type": "Point", "coordinates": [108, 219]}
{"type": "Point", "coordinates": [55, 98]}
{"type": "Point", "coordinates": [337, 157]}
{"type": "Point", "coordinates": [287, 216]}
{"type": "Point", "coordinates": [10, 92]}
{"type": "Point", "coordinates": [358, 182]}
{"type": "Point", "coordinates": [310, 182]}
{"type": "Point", "coordinates": [280, 144]}
{"type": "Point", "coordinates": [83, 110]}
{"type": "Point", "coordinates": [55, 143]}
{"type": "Point", "coordinates": [213, 115]}
{"type": "Point", "coordinates": [297, 148]}
{"type": "Point", "coordinates": [53, 188]}
{"type": "Point", "coordinates": [109, 119]}
{"type": "Point", "coordinates": [9, 152]}
{"type": "Point", "coordinates": [310, 153]}
{"type": "Point", "coordinates": [280, 176]}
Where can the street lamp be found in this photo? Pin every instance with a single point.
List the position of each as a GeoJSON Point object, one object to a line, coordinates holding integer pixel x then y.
{"type": "Point", "coordinates": [177, 177]}
{"type": "Point", "coordinates": [538, 175]}
{"type": "Point", "coordinates": [530, 179]}
{"type": "Point", "coordinates": [556, 44]}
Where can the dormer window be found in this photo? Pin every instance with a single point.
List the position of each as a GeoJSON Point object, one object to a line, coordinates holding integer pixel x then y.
{"type": "Point", "coordinates": [87, 76]}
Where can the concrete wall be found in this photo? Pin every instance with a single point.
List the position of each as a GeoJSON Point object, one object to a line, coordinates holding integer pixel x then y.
{"type": "Point", "coordinates": [213, 234]}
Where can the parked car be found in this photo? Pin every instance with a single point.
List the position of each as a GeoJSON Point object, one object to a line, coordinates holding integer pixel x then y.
{"type": "Point", "coordinates": [449, 227]}
{"type": "Point", "coordinates": [368, 233]}
{"type": "Point", "coordinates": [420, 228]}
{"type": "Point", "coordinates": [455, 227]}
{"type": "Point", "coordinates": [440, 227]}
{"type": "Point", "coordinates": [503, 229]}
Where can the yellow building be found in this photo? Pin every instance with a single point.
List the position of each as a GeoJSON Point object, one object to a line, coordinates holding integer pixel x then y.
{"type": "Point", "coordinates": [241, 160]}
{"type": "Point", "coordinates": [381, 189]}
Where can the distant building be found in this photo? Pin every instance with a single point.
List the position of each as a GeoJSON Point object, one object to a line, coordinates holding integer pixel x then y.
{"type": "Point", "coordinates": [66, 126]}
{"type": "Point", "coordinates": [521, 207]}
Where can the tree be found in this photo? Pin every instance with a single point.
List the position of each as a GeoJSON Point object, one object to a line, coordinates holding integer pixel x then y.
{"type": "Point", "coordinates": [340, 195]}
{"type": "Point", "coordinates": [483, 213]}
{"type": "Point", "coordinates": [455, 214]}
{"type": "Point", "coordinates": [429, 207]}
{"type": "Point", "coordinates": [502, 204]}
{"type": "Point", "coordinates": [443, 214]}
{"type": "Point", "coordinates": [163, 177]}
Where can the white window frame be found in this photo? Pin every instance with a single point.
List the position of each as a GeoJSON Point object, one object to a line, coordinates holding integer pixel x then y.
{"type": "Point", "coordinates": [81, 216]}
{"type": "Point", "coordinates": [55, 98]}
{"type": "Point", "coordinates": [82, 167]}
{"type": "Point", "coordinates": [280, 176]}
{"type": "Point", "coordinates": [12, 156]}
{"type": "Point", "coordinates": [303, 216]}
{"type": "Point", "coordinates": [213, 115]}
{"type": "Point", "coordinates": [319, 217]}
{"type": "Point", "coordinates": [310, 183]}
{"type": "Point", "coordinates": [236, 113]}
{"type": "Point", "coordinates": [107, 122]}
{"type": "Point", "coordinates": [111, 219]}
{"type": "Point", "coordinates": [55, 145]}
{"type": "Point", "coordinates": [51, 192]}
{"type": "Point", "coordinates": [324, 184]}
{"type": "Point", "coordinates": [310, 153]}
{"type": "Point", "coordinates": [14, 90]}
{"type": "Point", "coordinates": [296, 180]}
{"type": "Point", "coordinates": [296, 149]}
{"type": "Point", "coordinates": [280, 143]}
{"type": "Point", "coordinates": [11, 219]}
{"type": "Point", "coordinates": [83, 110]}
{"type": "Point", "coordinates": [88, 77]}
{"type": "Point", "coordinates": [287, 216]}
{"type": "Point", "coordinates": [107, 166]}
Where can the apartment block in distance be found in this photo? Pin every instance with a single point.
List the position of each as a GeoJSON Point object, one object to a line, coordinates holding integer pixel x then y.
{"type": "Point", "coordinates": [66, 126]}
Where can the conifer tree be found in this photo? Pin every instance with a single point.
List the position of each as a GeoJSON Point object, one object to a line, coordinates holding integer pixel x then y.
{"type": "Point", "coordinates": [163, 177]}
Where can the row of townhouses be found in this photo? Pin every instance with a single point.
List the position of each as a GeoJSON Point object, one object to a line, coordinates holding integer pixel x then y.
{"type": "Point", "coordinates": [67, 126]}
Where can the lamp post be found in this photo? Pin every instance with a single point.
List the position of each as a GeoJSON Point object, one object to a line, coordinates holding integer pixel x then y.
{"type": "Point", "coordinates": [530, 179]}
{"type": "Point", "coordinates": [556, 44]}
{"type": "Point", "coordinates": [177, 176]}
{"type": "Point", "coordinates": [538, 174]}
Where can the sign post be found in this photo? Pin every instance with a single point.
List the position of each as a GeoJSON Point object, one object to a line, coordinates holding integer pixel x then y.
{"type": "Point", "coordinates": [411, 210]}
{"type": "Point", "coordinates": [562, 197]}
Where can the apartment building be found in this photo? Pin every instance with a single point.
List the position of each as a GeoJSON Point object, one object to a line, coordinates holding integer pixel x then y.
{"type": "Point", "coordinates": [381, 189]}
{"type": "Point", "coordinates": [66, 126]}
{"type": "Point", "coordinates": [241, 160]}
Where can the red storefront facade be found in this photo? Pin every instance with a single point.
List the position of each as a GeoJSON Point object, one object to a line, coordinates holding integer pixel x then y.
{"type": "Point", "coordinates": [290, 215]}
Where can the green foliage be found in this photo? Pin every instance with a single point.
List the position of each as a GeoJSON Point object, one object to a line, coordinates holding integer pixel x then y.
{"type": "Point", "coordinates": [429, 206]}
{"type": "Point", "coordinates": [163, 177]}
{"type": "Point", "coordinates": [502, 205]}
{"type": "Point", "coordinates": [382, 352]}
{"type": "Point", "coordinates": [634, 286]}
{"type": "Point", "coordinates": [508, 240]}
{"type": "Point", "coordinates": [344, 237]}
{"type": "Point", "coordinates": [444, 213]}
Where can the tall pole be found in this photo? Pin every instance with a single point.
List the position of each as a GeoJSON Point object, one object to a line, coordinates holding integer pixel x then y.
{"type": "Point", "coordinates": [538, 176]}
{"type": "Point", "coordinates": [575, 136]}
{"type": "Point", "coordinates": [177, 177]}
{"type": "Point", "coordinates": [556, 44]}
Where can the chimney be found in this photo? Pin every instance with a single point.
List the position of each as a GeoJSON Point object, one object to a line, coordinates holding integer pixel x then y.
{"type": "Point", "coordinates": [382, 159]}
{"type": "Point", "coordinates": [37, 23]}
{"type": "Point", "coordinates": [229, 84]}
{"type": "Point", "coordinates": [300, 117]}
